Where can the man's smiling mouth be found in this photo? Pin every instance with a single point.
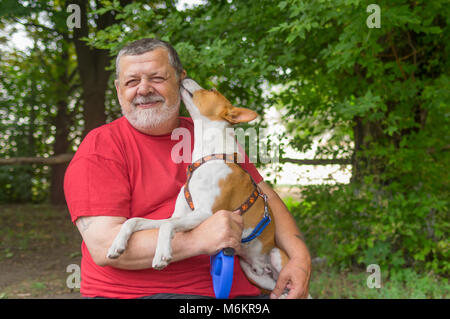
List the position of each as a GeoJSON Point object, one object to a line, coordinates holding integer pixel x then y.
{"type": "Point", "coordinates": [146, 102]}
{"type": "Point", "coordinates": [148, 105]}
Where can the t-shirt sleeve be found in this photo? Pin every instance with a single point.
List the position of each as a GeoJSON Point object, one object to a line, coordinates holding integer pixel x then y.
{"type": "Point", "coordinates": [95, 185]}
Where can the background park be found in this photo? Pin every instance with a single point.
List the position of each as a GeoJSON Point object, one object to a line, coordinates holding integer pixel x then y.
{"type": "Point", "coordinates": [354, 97]}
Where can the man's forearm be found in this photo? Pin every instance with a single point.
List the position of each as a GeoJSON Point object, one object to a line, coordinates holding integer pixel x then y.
{"type": "Point", "coordinates": [142, 246]}
{"type": "Point", "coordinates": [98, 233]}
{"type": "Point", "coordinates": [287, 234]}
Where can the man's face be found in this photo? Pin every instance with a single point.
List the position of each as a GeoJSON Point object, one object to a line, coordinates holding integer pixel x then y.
{"type": "Point", "coordinates": [148, 89]}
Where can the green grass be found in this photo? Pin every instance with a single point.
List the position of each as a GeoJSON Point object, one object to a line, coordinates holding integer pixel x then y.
{"type": "Point", "coordinates": [406, 284]}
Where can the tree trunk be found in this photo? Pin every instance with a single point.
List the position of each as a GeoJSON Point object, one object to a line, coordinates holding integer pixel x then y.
{"type": "Point", "coordinates": [366, 135]}
{"type": "Point", "coordinates": [62, 124]}
{"type": "Point", "coordinates": [60, 146]}
{"type": "Point", "coordinates": [92, 65]}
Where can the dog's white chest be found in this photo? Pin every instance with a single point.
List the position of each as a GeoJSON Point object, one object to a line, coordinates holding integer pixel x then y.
{"type": "Point", "coordinates": [204, 184]}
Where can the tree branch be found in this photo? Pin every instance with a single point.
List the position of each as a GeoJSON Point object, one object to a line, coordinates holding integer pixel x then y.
{"type": "Point", "coordinates": [30, 24]}
{"type": "Point", "coordinates": [414, 53]}
{"type": "Point", "coordinates": [397, 60]}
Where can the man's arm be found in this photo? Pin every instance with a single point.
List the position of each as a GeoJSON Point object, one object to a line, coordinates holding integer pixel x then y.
{"type": "Point", "coordinates": [221, 230]}
{"type": "Point", "coordinates": [295, 275]}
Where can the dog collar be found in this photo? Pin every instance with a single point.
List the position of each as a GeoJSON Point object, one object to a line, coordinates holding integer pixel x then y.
{"type": "Point", "coordinates": [261, 225]}
{"type": "Point", "coordinates": [229, 158]}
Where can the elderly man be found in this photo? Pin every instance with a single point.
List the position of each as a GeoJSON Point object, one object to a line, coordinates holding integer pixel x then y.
{"type": "Point", "coordinates": [124, 169]}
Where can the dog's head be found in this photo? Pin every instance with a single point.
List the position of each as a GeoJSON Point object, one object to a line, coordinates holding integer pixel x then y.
{"type": "Point", "coordinates": [212, 105]}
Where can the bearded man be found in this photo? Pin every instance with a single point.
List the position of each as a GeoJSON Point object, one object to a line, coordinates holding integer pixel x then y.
{"type": "Point", "coordinates": [124, 169]}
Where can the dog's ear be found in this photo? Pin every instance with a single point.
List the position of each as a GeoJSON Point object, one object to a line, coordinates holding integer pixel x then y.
{"type": "Point", "coordinates": [236, 115]}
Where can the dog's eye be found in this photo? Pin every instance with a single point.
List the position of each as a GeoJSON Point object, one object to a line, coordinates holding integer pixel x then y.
{"type": "Point", "coordinates": [213, 90]}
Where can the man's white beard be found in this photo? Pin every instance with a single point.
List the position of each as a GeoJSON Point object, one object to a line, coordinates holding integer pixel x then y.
{"type": "Point", "coordinates": [153, 117]}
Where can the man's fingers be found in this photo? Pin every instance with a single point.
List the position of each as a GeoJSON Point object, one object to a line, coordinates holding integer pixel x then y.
{"type": "Point", "coordinates": [229, 231]}
{"type": "Point", "coordinates": [237, 218]}
{"type": "Point", "coordinates": [295, 293]}
{"type": "Point", "coordinates": [279, 287]}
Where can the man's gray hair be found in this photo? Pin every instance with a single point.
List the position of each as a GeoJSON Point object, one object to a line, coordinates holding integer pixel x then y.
{"type": "Point", "coordinates": [149, 44]}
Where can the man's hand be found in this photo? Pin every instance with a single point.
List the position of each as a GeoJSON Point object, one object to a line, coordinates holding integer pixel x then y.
{"type": "Point", "coordinates": [223, 229]}
{"type": "Point", "coordinates": [295, 274]}
{"type": "Point", "coordinates": [295, 277]}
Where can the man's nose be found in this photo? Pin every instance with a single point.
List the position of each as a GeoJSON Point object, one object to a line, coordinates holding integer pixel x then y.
{"type": "Point", "coordinates": [145, 88]}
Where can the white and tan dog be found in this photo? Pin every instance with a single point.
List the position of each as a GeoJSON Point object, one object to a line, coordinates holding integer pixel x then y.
{"type": "Point", "coordinates": [216, 184]}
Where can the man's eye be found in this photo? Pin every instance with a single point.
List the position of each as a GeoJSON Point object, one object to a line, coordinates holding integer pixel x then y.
{"type": "Point", "coordinates": [131, 82]}
{"type": "Point", "coordinates": [158, 79]}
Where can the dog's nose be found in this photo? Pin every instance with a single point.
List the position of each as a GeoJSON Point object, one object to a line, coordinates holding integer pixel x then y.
{"type": "Point", "coordinates": [190, 85]}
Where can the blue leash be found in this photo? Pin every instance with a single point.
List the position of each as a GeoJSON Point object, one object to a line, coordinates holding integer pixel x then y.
{"type": "Point", "coordinates": [222, 264]}
{"type": "Point", "coordinates": [222, 267]}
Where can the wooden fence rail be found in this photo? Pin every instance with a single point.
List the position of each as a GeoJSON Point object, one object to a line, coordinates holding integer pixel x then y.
{"type": "Point", "coordinates": [64, 158]}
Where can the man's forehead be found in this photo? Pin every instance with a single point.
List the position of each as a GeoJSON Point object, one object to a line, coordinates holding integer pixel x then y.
{"type": "Point", "coordinates": [155, 61]}
{"type": "Point", "coordinates": [139, 71]}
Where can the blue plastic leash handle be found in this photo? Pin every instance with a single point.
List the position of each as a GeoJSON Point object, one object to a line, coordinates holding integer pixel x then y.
{"type": "Point", "coordinates": [222, 267]}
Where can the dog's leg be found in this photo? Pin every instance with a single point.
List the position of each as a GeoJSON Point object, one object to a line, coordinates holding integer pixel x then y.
{"type": "Point", "coordinates": [128, 228]}
{"type": "Point", "coordinates": [135, 224]}
{"type": "Point", "coordinates": [163, 253]}
{"type": "Point", "coordinates": [278, 258]}
{"type": "Point", "coordinates": [264, 281]}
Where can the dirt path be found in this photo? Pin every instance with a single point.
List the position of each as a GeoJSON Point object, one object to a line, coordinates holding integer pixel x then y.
{"type": "Point", "coordinates": [37, 243]}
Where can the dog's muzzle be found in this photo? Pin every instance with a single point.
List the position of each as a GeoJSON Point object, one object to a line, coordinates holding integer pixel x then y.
{"type": "Point", "coordinates": [190, 93]}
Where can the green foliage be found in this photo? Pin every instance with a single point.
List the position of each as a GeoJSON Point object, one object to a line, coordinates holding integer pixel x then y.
{"type": "Point", "coordinates": [363, 225]}
{"type": "Point", "coordinates": [33, 84]}
{"type": "Point", "coordinates": [380, 94]}
{"type": "Point", "coordinates": [340, 70]}
{"type": "Point", "coordinates": [24, 125]}
{"type": "Point", "coordinates": [405, 284]}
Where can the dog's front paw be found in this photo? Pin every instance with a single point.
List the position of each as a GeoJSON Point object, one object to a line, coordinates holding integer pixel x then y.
{"type": "Point", "coordinates": [163, 253]}
{"type": "Point", "coordinates": [117, 248]}
{"type": "Point", "coordinates": [283, 295]}
{"type": "Point", "coordinates": [162, 258]}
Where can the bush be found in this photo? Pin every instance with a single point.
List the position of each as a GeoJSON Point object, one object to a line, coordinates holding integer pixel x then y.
{"type": "Point", "coordinates": [23, 184]}
{"type": "Point", "coordinates": [404, 284]}
{"type": "Point", "coordinates": [353, 225]}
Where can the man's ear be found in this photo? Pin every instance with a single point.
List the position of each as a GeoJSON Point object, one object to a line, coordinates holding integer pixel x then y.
{"type": "Point", "coordinates": [239, 115]}
{"type": "Point", "coordinates": [117, 84]}
{"type": "Point", "coordinates": [183, 75]}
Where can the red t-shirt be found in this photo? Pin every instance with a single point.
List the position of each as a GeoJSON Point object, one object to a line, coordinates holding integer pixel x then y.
{"type": "Point", "coordinates": [119, 171]}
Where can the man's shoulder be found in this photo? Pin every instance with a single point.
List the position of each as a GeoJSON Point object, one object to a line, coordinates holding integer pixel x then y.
{"type": "Point", "coordinates": [103, 138]}
{"type": "Point", "coordinates": [108, 128]}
